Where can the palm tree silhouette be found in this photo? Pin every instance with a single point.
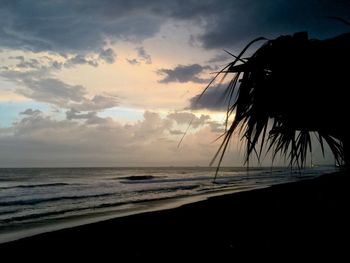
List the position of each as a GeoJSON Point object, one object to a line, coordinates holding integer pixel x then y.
{"type": "Point", "coordinates": [290, 87]}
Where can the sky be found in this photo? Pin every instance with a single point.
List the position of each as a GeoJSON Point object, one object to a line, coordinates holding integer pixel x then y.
{"type": "Point", "coordinates": [115, 83]}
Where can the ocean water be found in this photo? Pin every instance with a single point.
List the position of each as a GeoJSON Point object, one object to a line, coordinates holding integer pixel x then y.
{"type": "Point", "coordinates": [37, 200]}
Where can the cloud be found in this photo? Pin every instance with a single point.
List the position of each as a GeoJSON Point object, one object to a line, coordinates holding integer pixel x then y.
{"type": "Point", "coordinates": [64, 95]}
{"type": "Point", "coordinates": [38, 84]}
{"type": "Point", "coordinates": [181, 117]}
{"type": "Point", "coordinates": [213, 99]}
{"type": "Point", "coordinates": [26, 64]}
{"type": "Point", "coordinates": [86, 26]}
{"type": "Point", "coordinates": [80, 60]}
{"type": "Point", "coordinates": [74, 26]}
{"type": "Point", "coordinates": [39, 67]}
{"type": "Point", "coordinates": [133, 61]}
{"type": "Point", "coordinates": [143, 55]}
{"type": "Point", "coordinates": [53, 91]}
{"type": "Point", "coordinates": [187, 118]}
{"type": "Point", "coordinates": [176, 132]}
{"type": "Point", "coordinates": [38, 140]}
{"type": "Point", "coordinates": [107, 55]}
{"type": "Point", "coordinates": [220, 57]}
{"type": "Point", "coordinates": [50, 64]}
{"type": "Point", "coordinates": [152, 125]}
{"type": "Point", "coordinates": [56, 65]}
{"type": "Point", "coordinates": [98, 102]}
{"type": "Point", "coordinates": [183, 73]}
{"type": "Point", "coordinates": [74, 114]}
{"type": "Point", "coordinates": [90, 117]}
{"type": "Point", "coordinates": [238, 22]}
{"type": "Point", "coordinates": [216, 127]}
{"type": "Point", "coordinates": [30, 112]}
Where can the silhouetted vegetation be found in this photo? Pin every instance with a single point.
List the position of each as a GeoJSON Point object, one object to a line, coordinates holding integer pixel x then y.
{"type": "Point", "coordinates": [290, 87]}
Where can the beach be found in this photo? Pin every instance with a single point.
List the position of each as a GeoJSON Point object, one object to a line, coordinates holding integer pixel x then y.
{"type": "Point", "coordinates": [307, 216]}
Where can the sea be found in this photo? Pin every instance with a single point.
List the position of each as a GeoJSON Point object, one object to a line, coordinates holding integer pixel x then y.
{"type": "Point", "coordinates": [38, 200]}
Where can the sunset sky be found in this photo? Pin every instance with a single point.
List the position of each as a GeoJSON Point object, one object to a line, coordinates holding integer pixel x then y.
{"type": "Point", "coordinates": [113, 83]}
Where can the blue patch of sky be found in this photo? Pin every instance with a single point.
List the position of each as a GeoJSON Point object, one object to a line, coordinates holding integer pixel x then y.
{"type": "Point", "coordinates": [10, 111]}
{"type": "Point", "coordinates": [121, 113]}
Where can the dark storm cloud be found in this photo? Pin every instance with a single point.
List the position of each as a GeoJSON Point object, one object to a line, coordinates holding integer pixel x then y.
{"type": "Point", "coordinates": [212, 99]}
{"type": "Point", "coordinates": [74, 26]}
{"type": "Point", "coordinates": [220, 57]}
{"type": "Point", "coordinates": [242, 20]}
{"type": "Point", "coordinates": [105, 55]}
{"type": "Point", "coordinates": [183, 73]}
{"type": "Point", "coordinates": [85, 25]}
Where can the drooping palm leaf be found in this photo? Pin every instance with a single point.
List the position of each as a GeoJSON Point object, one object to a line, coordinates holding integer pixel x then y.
{"type": "Point", "coordinates": [282, 99]}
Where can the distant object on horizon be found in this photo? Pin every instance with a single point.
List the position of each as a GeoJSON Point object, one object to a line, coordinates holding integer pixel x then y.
{"type": "Point", "coordinates": [290, 87]}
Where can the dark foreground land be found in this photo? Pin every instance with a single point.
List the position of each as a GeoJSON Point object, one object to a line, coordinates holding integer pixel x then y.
{"type": "Point", "coordinates": [310, 217]}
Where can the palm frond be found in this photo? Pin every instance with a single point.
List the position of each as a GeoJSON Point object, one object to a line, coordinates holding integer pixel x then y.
{"type": "Point", "coordinates": [262, 103]}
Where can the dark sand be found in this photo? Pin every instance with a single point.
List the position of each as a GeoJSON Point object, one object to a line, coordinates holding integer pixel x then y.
{"type": "Point", "coordinates": [311, 216]}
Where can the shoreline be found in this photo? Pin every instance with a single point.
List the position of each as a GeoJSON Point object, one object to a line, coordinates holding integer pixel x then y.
{"type": "Point", "coordinates": [140, 208]}
{"type": "Point", "coordinates": [308, 215]}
